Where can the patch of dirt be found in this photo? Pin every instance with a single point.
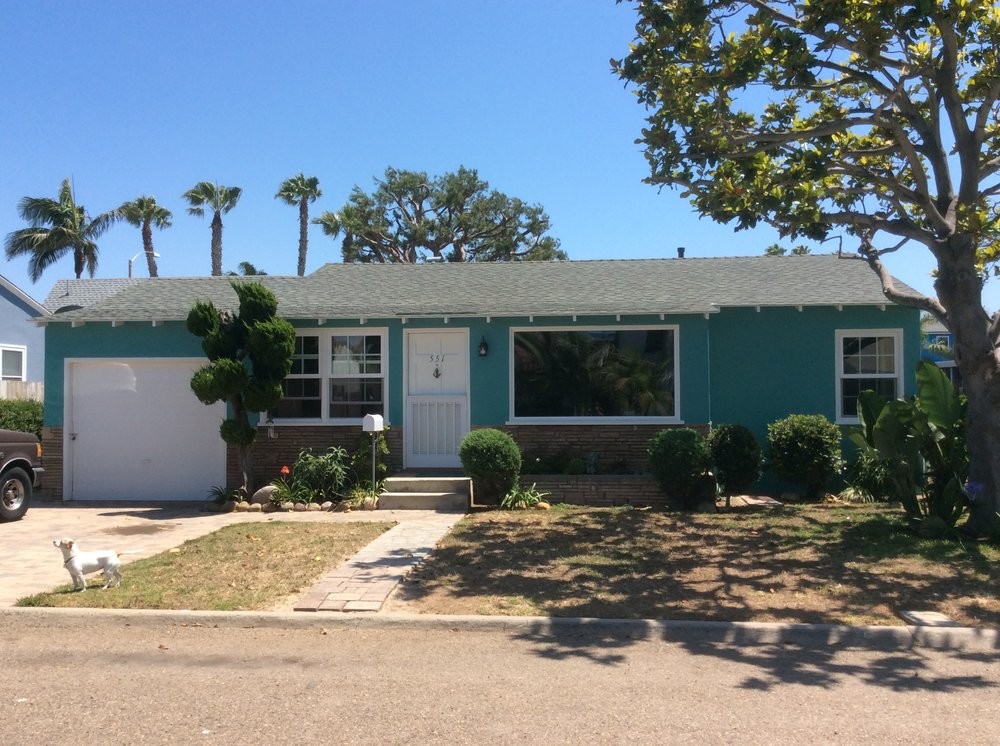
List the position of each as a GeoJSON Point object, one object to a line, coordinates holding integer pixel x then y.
{"type": "Point", "coordinates": [814, 563]}
{"type": "Point", "coordinates": [142, 529]}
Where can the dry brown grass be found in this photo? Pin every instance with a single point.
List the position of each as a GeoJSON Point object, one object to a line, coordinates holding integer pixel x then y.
{"type": "Point", "coordinates": [245, 566]}
{"type": "Point", "coordinates": [813, 563]}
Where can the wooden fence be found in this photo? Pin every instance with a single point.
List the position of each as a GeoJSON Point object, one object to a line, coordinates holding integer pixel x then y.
{"type": "Point", "coordinates": [22, 390]}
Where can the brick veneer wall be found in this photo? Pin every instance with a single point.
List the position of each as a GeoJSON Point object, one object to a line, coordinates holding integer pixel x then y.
{"type": "Point", "coordinates": [270, 454]}
{"type": "Point", "coordinates": [613, 444]}
{"type": "Point", "coordinates": [600, 490]}
{"type": "Point", "coordinates": [52, 462]}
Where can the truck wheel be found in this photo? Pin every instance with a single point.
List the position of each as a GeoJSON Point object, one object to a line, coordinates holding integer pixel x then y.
{"type": "Point", "coordinates": [15, 494]}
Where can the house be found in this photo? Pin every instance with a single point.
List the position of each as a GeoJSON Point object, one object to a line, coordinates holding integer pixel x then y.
{"type": "Point", "coordinates": [585, 357]}
{"type": "Point", "coordinates": [939, 349]}
{"type": "Point", "coordinates": [22, 341]}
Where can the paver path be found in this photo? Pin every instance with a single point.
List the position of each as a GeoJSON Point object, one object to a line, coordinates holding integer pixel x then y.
{"type": "Point", "coordinates": [32, 565]}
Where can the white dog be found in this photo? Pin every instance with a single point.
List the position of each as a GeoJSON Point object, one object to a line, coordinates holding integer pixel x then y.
{"type": "Point", "coordinates": [80, 563]}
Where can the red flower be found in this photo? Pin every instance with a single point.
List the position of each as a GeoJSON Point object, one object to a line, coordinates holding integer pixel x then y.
{"type": "Point", "coordinates": [285, 471]}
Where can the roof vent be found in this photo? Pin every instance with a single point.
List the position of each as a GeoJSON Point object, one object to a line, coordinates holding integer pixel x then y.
{"type": "Point", "coordinates": [680, 252]}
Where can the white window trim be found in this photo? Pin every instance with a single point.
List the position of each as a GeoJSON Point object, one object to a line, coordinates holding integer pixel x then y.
{"type": "Point", "coordinates": [326, 375]}
{"type": "Point", "coordinates": [24, 360]}
{"type": "Point", "coordinates": [674, 420]}
{"type": "Point", "coordinates": [840, 334]}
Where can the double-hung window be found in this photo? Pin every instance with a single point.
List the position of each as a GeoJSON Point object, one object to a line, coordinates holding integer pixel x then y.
{"type": "Point", "coordinates": [867, 360]}
{"type": "Point", "coordinates": [337, 377]}
{"type": "Point", "coordinates": [12, 362]}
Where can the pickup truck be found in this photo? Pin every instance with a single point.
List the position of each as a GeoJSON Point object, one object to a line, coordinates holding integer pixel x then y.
{"type": "Point", "coordinates": [20, 472]}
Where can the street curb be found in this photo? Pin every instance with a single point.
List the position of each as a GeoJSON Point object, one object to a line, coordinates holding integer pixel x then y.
{"type": "Point", "coordinates": [805, 636]}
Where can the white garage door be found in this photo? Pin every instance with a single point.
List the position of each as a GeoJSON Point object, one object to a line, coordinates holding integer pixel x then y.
{"type": "Point", "coordinates": [135, 431]}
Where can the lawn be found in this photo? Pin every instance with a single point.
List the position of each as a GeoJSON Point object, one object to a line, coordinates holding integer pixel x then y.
{"type": "Point", "coordinates": [811, 563]}
{"type": "Point", "coordinates": [245, 566]}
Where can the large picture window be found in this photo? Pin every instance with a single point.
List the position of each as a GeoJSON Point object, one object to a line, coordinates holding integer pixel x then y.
{"type": "Point", "coordinates": [12, 363]}
{"type": "Point", "coordinates": [335, 376]}
{"type": "Point", "coordinates": [867, 360]}
{"type": "Point", "coordinates": [595, 373]}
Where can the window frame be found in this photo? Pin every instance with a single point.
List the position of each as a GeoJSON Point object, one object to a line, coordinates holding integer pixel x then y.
{"type": "Point", "coordinates": [23, 349]}
{"type": "Point", "coordinates": [896, 334]}
{"type": "Point", "coordinates": [326, 375]}
{"type": "Point", "coordinates": [675, 419]}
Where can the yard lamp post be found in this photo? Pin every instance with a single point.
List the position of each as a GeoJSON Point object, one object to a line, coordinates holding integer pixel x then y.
{"type": "Point", "coordinates": [130, 261]}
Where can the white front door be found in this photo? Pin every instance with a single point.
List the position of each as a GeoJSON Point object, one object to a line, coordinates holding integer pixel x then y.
{"type": "Point", "coordinates": [437, 397]}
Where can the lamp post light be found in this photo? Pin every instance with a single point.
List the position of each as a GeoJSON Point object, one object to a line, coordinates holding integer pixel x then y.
{"type": "Point", "coordinates": [130, 261]}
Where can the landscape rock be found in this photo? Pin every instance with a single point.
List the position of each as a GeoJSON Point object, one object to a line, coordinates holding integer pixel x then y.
{"type": "Point", "coordinates": [242, 506]}
{"type": "Point", "coordinates": [313, 507]}
{"type": "Point", "coordinates": [300, 508]}
{"type": "Point", "coordinates": [263, 495]}
{"type": "Point", "coordinates": [256, 508]}
{"type": "Point", "coordinates": [288, 505]}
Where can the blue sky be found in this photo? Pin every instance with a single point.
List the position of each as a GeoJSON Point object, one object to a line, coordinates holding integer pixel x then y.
{"type": "Point", "coordinates": [131, 98]}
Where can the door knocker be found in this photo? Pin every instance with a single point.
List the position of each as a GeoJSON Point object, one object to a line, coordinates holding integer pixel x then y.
{"type": "Point", "coordinates": [437, 371]}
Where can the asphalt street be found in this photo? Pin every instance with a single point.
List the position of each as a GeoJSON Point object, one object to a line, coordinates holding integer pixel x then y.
{"type": "Point", "coordinates": [99, 678]}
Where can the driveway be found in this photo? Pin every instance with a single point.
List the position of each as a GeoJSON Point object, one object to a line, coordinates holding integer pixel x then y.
{"type": "Point", "coordinates": [32, 565]}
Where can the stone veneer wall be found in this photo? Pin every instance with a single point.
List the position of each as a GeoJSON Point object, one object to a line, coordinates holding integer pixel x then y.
{"type": "Point", "coordinates": [615, 445]}
{"type": "Point", "coordinates": [52, 462]}
{"type": "Point", "coordinates": [270, 454]}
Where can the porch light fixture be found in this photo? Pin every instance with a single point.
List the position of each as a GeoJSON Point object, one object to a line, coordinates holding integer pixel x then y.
{"type": "Point", "coordinates": [484, 348]}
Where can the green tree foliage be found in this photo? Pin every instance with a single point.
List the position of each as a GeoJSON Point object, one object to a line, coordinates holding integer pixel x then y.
{"type": "Point", "coordinates": [736, 458]}
{"type": "Point", "coordinates": [219, 200]}
{"type": "Point", "coordinates": [58, 227]}
{"type": "Point", "coordinates": [299, 191]}
{"type": "Point", "coordinates": [144, 213]}
{"type": "Point", "coordinates": [871, 118]}
{"type": "Point", "coordinates": [410, 217]}
{"type": "Point", "coordinates": [249, 354]}
{"type": "Point", "coordinates": [492, 460]}
{"type": "Point", "coordinates": [678, 460]}
{"type": "Point", "coordinates": [804, 448]}
{"type": "Point", "coordinates": [23, 415]}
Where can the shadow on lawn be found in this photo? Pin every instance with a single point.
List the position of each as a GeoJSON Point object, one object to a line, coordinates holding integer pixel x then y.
{"type": "Point", "coordinates": [789, 564]}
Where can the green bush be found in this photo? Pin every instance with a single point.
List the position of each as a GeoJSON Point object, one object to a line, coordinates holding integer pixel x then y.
{"type": "Point", "coordinates": [736, 458]}
{"type": "Point", "coordinates": [678, 459]}
{"type": "Point", "coordinates": [320, 477]}
{"type": "Point", "coordinates": [805, 448]}
{"type": "Point", "coordinates": [492, 460]}
{"type": "Point", "coordinates": [23, 415]}
{"type": "Point", "coordinates": [521, 498]}
{"type": "Point", "coordinates": [870, 478]}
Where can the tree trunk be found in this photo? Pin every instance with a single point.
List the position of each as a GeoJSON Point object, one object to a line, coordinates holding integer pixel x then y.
{"type": "Point", "coordinates": [147, 245]}
{"type": "Point", "coordinates": [303, 235]}
{"type": "Point", "coordinates": [78, 262]}
{"type": "Point", "coordinates": [959, 288]}
{"type": "Point", "coordinates": [217, 245]}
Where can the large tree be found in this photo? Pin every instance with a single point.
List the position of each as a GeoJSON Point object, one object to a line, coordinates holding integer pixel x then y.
{"type": "Point", "coordinates": [873, 118]}
{"type": "Point", "coordinates": [249, 354]}
{"type": "Point", "coordinates": [58, 227]}
{"type": "Point", "coordinates": [218, 199]}
{"type": "Point", "coordinates": [144, 213]}
{"type": "Point", "coordinates": [300, 190]}
{"type": "Point", "coordinates": [456, 217]}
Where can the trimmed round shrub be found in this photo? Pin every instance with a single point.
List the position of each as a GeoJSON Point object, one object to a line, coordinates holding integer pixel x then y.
{"type": "Point", "coordinates": [492, 460]}
{"type": "Point", "coordinates": [804, 448]}
{"type": "Point", "coordinates": [678, 459]}
{"type": "Point", "coordinates": [736, 458]}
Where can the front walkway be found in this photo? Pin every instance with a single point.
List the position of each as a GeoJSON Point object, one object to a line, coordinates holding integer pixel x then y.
{"type": "Point", "coordinates": [364, 582]}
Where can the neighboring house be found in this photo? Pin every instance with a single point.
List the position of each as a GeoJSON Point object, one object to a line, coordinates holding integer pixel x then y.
{"type": "Point", "coordinates": [589, 358]}
{"type": "Point", "coordinates": [939, 349]}
{"type": "Point", "coordinates": [22, 340]}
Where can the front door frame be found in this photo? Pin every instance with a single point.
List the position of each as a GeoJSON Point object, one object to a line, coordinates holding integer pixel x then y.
{"type": "Point", "coordinates": [409, 460]}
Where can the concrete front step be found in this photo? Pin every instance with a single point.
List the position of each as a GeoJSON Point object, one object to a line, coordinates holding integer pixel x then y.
{"type": "Point", "coordinates": [426, 493]}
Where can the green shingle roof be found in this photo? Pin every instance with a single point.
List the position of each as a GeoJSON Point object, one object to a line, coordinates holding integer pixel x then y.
{"type": "Point", "coordinates": [600, 287]}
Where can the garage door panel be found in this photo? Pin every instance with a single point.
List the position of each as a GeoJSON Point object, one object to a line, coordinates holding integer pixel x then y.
{"type": "Point", "coordinates": [137, 432]}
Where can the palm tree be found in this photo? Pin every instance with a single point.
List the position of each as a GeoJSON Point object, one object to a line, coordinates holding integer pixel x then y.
{"type": "Point", "coordinates": [301, 190]}
{"type": "Point", "coordinates": [143, 212]}
{"type": "Point", "coordinates": [247, 270]}
{"type": "Point", "coordinates": [58, 226]}
{"type": "Point", "coordinates": [220, 199]}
